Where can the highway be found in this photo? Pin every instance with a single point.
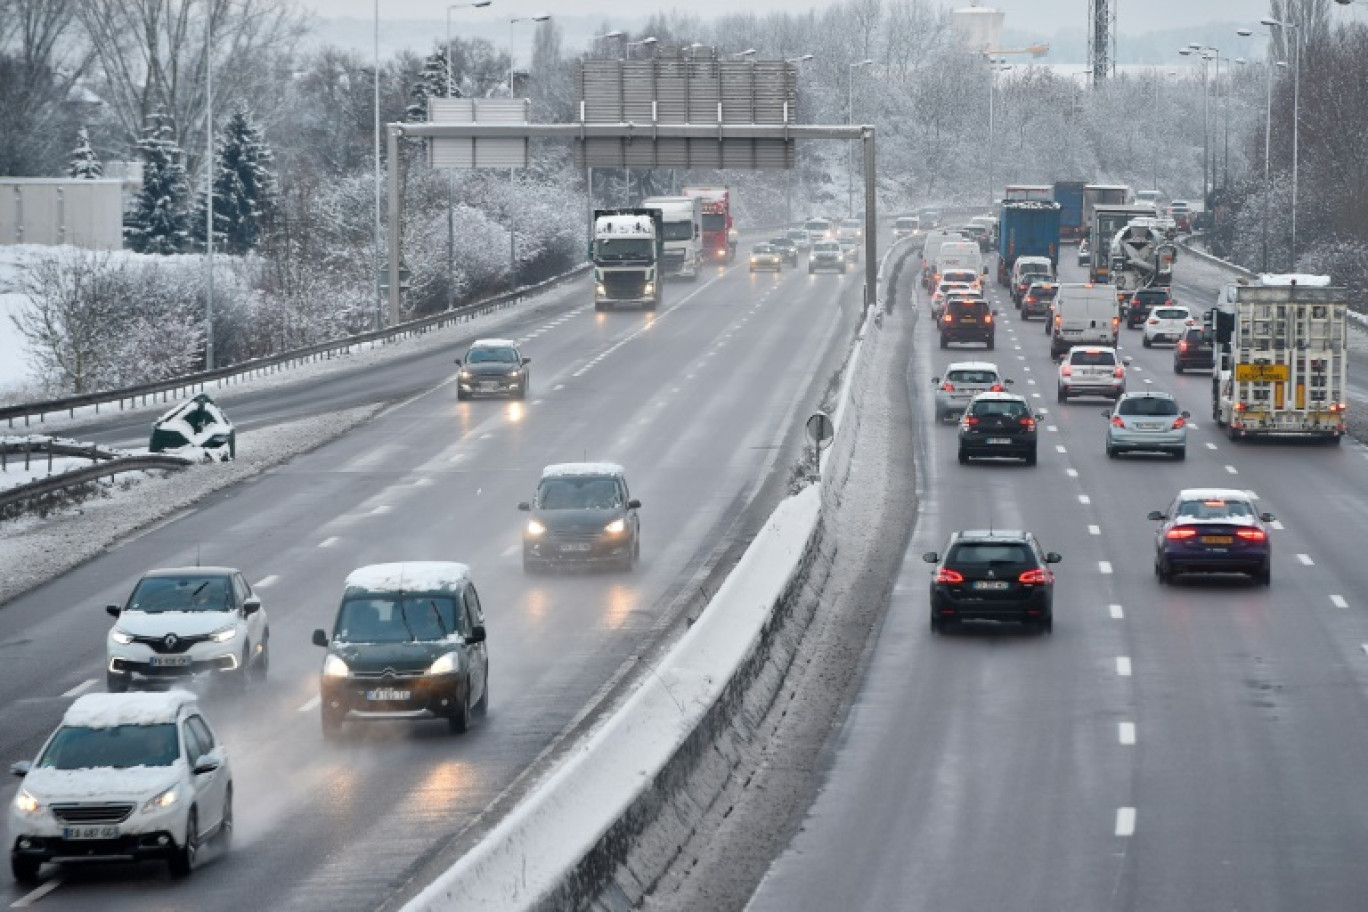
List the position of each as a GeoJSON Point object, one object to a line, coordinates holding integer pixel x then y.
{"type": "Point", "coordinates": [702, 403]}
{"type": "Point", "coordinates": [1197, 746]}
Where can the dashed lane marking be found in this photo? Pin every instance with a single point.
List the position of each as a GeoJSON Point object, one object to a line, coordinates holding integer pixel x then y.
{"type": "Point", "coordinates": [1211, 446]}
{"type": "Point", "coordinates": [1125, 821]}
{"type": "Point", "coordinates": [1116, 612]}
{"type": "Point", "coordinates": [1123, 666]}
{"type": "Point", "coordinates": [328, 542]}
{"type": "Point", "coordinates": [1061, 448]}
{"type": "Point", "coordinates": [1094, 530]}
{"type": "Point", "coordinates": [1084, 499]}
{"type": "Point", "coordinates": [311, 705]}
{"type": "Point", "coordinates": [1104, 566]}
{"type": "Point", "coordinates": [1072, 473]}
{"type": "Point", "coordinates": [1232, 470]}
{"type": "Point", "coordinates": [1338, 601]}
{"type": "Point", "coordinates": [80, 688]}
{"type": "Point", "coordinates": [1306, 560]}
{"type": "Point", "coordinates": [1126, 733]}
{"type": "Point", "coordinates": [267, 581]}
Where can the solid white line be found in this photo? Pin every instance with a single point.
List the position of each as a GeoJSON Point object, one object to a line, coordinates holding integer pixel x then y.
{"type": "Point", "coordinates": [311, 705]}
{"type": "Point", "coordinates": [1072, 473]}
{"type": "Point", "coordinates": [267, 581]}
{"type": "Point", "coordinates": [1123, 666]}
{"type": "Point", "coordinates": [1127, 732]}
{"type": "Point", "coordinates": [1338, 601]}
{"type": "Point", "coordinates": [1104, 566]}
{"type": "Point", "coordinates": [44, 890]}
{"type": "Point", "coordinates": [383, 508]}
{"type": "Point", "coordinates": [1277, 524]}
{"type": "Point", "coordinates": [1116, 611]}
{"type": "Point", "coordinates": [328, 542]}
{"type": "Point", "coordinates": [457, 458]}
{"type": "Point", "coordinates": [510, 551]}
{"type": "Point", "coordinates": [1211, 446]}
{"type": "Point", "coordinates": [1306, 559]}
{"type": "Point", "coordinates": [1094, 530]}
{"type": "Point", "coordinates": [1084, 499]}
{"type": "Point", "coordinates": [558, 386]}
{"type": "Point", "coordinates": [1125, 821]}
{"type": "Point", "coordinates": [80, 688]}
{"type": "Point", "coordinates": [1232, 470]}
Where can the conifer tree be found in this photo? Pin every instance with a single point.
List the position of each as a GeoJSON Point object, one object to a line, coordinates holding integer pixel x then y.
{"type": "Point", "coordinates": [244, 187]}
{"type": "Point", "coordinates": [84, 162]}
{"type": "Point", "coordinates": [158, 220]}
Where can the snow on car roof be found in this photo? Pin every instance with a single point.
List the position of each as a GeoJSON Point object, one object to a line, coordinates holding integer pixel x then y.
{"type": "Point", "coordinates": [1214, 494]}
{"type": "Point", "coordinates": [106, 710]}
{"type": "Point", "coordinates": [189, 571]}
{"type": "Point", "coordinates": [408, 576]}
{"type": "Point", "coordinates": [494, 343]}
{"type": "Point", "coordinates": [582, 468]}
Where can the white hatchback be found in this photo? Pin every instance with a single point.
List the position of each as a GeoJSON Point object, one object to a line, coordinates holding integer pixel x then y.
{"type": "Point", "coordinates": [1167, 324]}
{"type": "Point", "coordinates": [125, 777]}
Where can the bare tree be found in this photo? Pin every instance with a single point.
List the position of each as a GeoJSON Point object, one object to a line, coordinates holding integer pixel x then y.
{"type": "Point", "coordinates": [41, 59]}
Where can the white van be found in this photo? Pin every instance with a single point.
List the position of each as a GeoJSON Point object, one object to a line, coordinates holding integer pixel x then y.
{"type": "Point", "coordinates": [1084, 314]}
{"type": "Point", "coordinates": [959, 254]}
{"type": "Point", "coordinates": [931, 249]}
{"type": "Point", "coordinates": [819, 229]}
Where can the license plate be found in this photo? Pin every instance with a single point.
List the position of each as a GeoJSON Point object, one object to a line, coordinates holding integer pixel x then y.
{"type": "Point", "coordinates": [990, 584]}
{"type": "Point", "coordinates": [169, 661]}
{"type": "Point", "coordinates": [1218, 540]}
{"type": "Point", "coordinates": [388, 695]}
{"type": "Point", "coordinates": [90, 832]}
{"type": "Point", "coordinates": [576, 546]}
{"type": "Point", "coordinates": [999, 440]}
{"type": "Point", "coordinates": [1149, 426]}
{"type": "Point", "coordinates": [968, 320]}
{"type": "Point", "coordinates": [488, 384]}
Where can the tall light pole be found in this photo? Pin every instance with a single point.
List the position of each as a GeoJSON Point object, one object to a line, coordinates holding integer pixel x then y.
{"type": "Point", "coordinates": [451, 173]}
{"type": "Point", "coordinates": [480, 4]}
{"type": "Point", "coordinates": [1268, 138]}
{"type": "Point", "coordinates": [512, 172]}
{"type": "Point", "coordinates": [588, 168]}
{"type": "Point", "coordinates": [1296, 121]}
{"type": "Point", "coordinates": [850, 119]}
{"type": "Point", "coordinates": [788, 197]}
{"type": "Point", "coordinates": [995, 65]}
{"type": "Point", "coordinates": [379, 298]}
{"type": "Point", "coordinates": [209, 184]}
{"type": "Point", "coordinates": [1207, 54]}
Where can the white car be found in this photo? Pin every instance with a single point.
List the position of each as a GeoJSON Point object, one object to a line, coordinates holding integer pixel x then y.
{"type": "Point", "coordinates": [1167, 324]}
{"type": "Point", "coordinates": [186, 622]}
{"type": "Point", "coordinates": [1092, 370]}
{"type": "Point", "coordinates": [125, 777]}
{"type": "Point", "coordinates": [963, 381]}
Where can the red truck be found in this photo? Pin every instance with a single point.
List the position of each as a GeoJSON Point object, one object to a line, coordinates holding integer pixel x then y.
{"type": "Point", "coordinates": [719, 237]}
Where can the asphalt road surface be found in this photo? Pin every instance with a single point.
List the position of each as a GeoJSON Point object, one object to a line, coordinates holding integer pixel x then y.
{"type": "Point", "coordinates": [1195, 746]}
{"type": "Point", "coordinates": [699, 402]}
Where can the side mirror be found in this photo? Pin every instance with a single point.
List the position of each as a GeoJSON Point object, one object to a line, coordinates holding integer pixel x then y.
{"type": "Point", "coordinates": [1126, 360]}
{"type": "Point", "coordinates": [1156, 515]}
{"type": "Point", "coordinates": [634, 504]}
{"type": "Point", "coordinates": [21, 768]}
{"type": "Point", "coordinates": [320, 638]}
{"type": "Point", "coordinates": [458, 361]}
{"type": "Point", "coordinates": [1053, 557]}
{"type": "Point", "coordinates": [205, 764]}
{"type": "Point", "coordinates": [1268, 517]}
{"type": "Point", "coordinates": [527, 360]}
{"type": "Point", "coordinates": [1041, 413]}
{"type": "Point", "coordinates": [935, 381]}
{"type": "Point", "coordinates": [113, 610]}
{"type": "Point", "coordinates": [1186, 414]}
{"type": "Point", "coordinates": [1008, 382]}
{"type": "Point", "coordinates": [251, 606]}
{"type": "Point", "coordinates": [931, 557]}
{"type": "Point", "coordinates": [1106, 413]}
{"type": "Point", "coordinates": [525, 506]}
{"type": "Point", "coordinates": [477, 634]}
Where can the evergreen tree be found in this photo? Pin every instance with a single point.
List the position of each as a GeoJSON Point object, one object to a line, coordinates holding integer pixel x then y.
{"type": "Point", "coordinates": [84, 162]}
{"type": "Point", "coordinates": [432, 83]}
{"type": "Point", "coordinates": [244, 187]}
{"type": "Point", "coordinates": [158, 220]}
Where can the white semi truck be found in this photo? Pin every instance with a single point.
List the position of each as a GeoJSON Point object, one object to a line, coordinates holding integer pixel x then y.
{"type": "Point", "coordinates": [1281, 357]}
{"type": "Point", "coordinates": [682, 221]}
{"type": "Point", "coordinates": [627, 249]}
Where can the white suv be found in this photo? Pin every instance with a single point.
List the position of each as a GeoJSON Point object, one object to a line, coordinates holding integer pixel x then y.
{"type": "Point", "coordinates": [1167, 324]}
{"type": "Point", "coordinates": [124, 777]}
{"type": "Point", "coordinates": [1089, 370]}
{"type": "Point", "coordinates": [184, 622]}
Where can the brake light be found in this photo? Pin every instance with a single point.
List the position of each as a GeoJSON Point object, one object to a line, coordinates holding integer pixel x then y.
{"type": "Point", "coordinates": [970, 420]}
{"type": "Point", "coordinates": [1183, 346]}
{"type": "Point", "coordinates": [1189, 322]}
{"type": "Point", "coordinates": [1066, 371]}
{"type": "Point", "coordinates": [1034, 577]}
{"type": "Point", "coordinates": [988, 318]}
{"type": "Point", "coordinates": [946, 575]}
{"type": "Point", "coordinates": [1154, 321]}
{"type": "Point", "coordinates": [948, 386]}
{"type": "Point", "coordinates": [1118, 371]}
{"type": "Point", "coordinates": [1179, 422]}
{"type": "Point", "coordinates": [1117, 422]}
{"type": "Point", "coordinates": [1252, 534]}
{"type": "Point", "coordinates": [1180, 533]}
{"type": "Point", "coordinates": [1116, 321]}
{"type": "Point", "coordinates": [1028, 422]}
{"type": "Point", "coordinates": [1030, 299]}
{"type": "Point", "coordinates": [996, 388]}
{"type": "Point", "coordinates": [948, 318]}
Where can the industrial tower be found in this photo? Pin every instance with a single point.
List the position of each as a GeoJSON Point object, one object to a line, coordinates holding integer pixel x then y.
{"type": "Point", "coordinates": [1101, 39]}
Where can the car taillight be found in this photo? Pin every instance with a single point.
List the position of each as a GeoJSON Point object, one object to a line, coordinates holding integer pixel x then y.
{"type": "Point", "coordinates": [1252, 534]}
{"type": "Point", "coordinates": [996, 388]}
{"type": "Point", "coordinates": [1118, 371]}
{"type": "Point", "coordinates": [1189, 322]}
{"type": "Point", "coordinates": [1154, 321]}
{"type": "Point", "coordinates": [1183, 346]}
{"type": "Point", "coordinates": [1066, 371]}
{"type": "Point", "coordinates": [945, 575]}
{"type": "Point", "coordinates": [988, 318]}
{"type": "Point", "coordinates": [1179, 422]}
{"type": "Point", "coordinates": [948, 386]}
{"type": "Point", "coordinates": [1028, 422]}
{"type": "Point", "coordinates": [1030, 299]}
{"type": "Point", "coordinates": [1117, 422]}
{"type": "Point", "coordinates": [1116, 321]}
{"type": "Point", "coordinates": [1180, 533]}
{"type": "Point", "coordinates": [949, 319]}
{"type": "Point", "coordinates": [970, 420]}
{"type": "Point", "coordinates": [1034, 577]}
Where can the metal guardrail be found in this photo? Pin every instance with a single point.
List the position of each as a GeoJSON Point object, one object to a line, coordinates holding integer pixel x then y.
{"type": "Point", "coordinates": [50, 447]}
{"type": "Point", "coordinates": [198, 381]}
{"type": "Point", "coordinates": [108, 469]}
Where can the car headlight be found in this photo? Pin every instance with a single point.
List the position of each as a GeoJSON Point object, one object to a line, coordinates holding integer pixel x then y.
{"type": "Point", "coordinates": [223, 634]}
{"type": "Point", "coordinates": [616, 527]}
{"type": "Point", "coordinates": [334, 667]}
{"type": "Point", "coordinates": [535, 528]}
{"type": "Point", "coordinates": [650, 288]}
{"type": "Point", "coordinates": [515, 374]}
{"type": "Point", "coordinates": [25, 803]}
{"type": "Point", "coordinates": [121, 637]}
{"type": "Point", "coordinates": [466, 375]}
{"type": "Point", "coordinates": [161, 801]}
{"type": "Point", "coordinates": [446, 664]}
{"type": "Point", "coordinates": [599, 289]}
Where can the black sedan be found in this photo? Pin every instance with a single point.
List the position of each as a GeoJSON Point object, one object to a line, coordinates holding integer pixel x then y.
{"type": "Point", "coordinates": [998, 425]}
{"type": "Point", "coordinates": [997, 575]}
{"type": "Point", "coordinates": [493, 367]}
{"type": "Point", "coordinates": [1195, 351]}
{"type": "Point", "coordinates": [1212, 530]}
{"type": "Point", "coordinates": [582, 514]}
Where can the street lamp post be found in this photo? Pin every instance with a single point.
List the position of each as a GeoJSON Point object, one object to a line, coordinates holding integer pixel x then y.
{"type": "Point", "coordinates": [1207, 54]}
{"type": "Point", "coordinates": [788, 197]}
{"type": "Point", "coordinates": [995, 66]}
{"type": "Point", "coordinates": [379, 297]}
{"type": "Point", "coordinates": [1296, 121]}
{"type": "Point", "coordinates": [588, 168]}
{"type": "Point", "coordinates": [850, 119]}
{"type": "Point", "coordinates": [512, 172]}
{"type": "Point", "coordinates": [209, 186]}
{"type": "Point", "coordinates": [451, 174]}
{"type": "Point", "coordinates": [479, 4]}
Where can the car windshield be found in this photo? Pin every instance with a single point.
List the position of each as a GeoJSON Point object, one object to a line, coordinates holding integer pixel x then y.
{"type": "Point", "coordinates": [781, 242]}
{"type": "Point", "coordinates": [1170, 313]}
{"type": "Point", "coordinates": [620, 248]}
{"type": "Point", "coordinates": [586, 493]}
{"type": "Point", "coordinates": [1042, 293]}
{"type": "Point", "coordinates": [827, 247]}
{"type": "Point", "coordinates": [905, 224]}
{"type": "Point", "coordinates": [971, 376]}
{"type": "Point", "coordinates": [1000, 408]}
{"type": "Point", "coordinates": [496, 355]}
{"type": "Point", "coordinates": [77, 747]}
{"type": "Point", "coordinates": [992, 555]}
{"type": "Point", "coordinates": [797, 234]}
{"type": "Point", "coordinates": [763, 249]}
{"type": "Point", "coordinates": [714, 221]}
{"type": "Point", "coordinates": [817, 226]}
{"type": "Point", "coordinates": [385, 618]}
{"type": "Point", "coordinates": [678, 231]}
{"type": "Point", "coordinates": [1147, 405]}
{"type": "Point", "coordinates": [192, 592]}
{"type": "Point", "coordinates": [1093, 357]}
{"type": "Point", "coordinates": [1214, 508]}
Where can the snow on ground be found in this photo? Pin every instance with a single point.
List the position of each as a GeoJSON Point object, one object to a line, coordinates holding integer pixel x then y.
{"type": "Point", "coordinates": [14, 472]}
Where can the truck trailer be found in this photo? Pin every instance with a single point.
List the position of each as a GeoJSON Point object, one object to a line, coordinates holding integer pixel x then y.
{"type": "Point", "coordinates": [1281, 358]}
{"type": "Point", "coordinates": [682, 219]}
{"type": "Point", "coordinates": [1095, 195]}
{"type": "Point", "coordinates": [1027, 228]}
{"type": "Point", "coordinates": [627, 251]}
{"type": "Point", "coordinates": [1069, 195]}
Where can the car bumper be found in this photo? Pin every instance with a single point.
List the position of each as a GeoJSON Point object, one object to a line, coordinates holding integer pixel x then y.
{"type": "Point", "coordinates": [1110, 390]}
{"type": "Point", "coordinates": [834, 265]}
{"type": "Point", "coordinates": [1009, 448]}
{"type": "Point", "coordinates": [1214, 562]}
{"type": "Point", "coordinates": [967, 334]}
{"type": "Point", "coordinates": [153, 844]}
{"type": "Point", "coordinates": [1119, 439]}
{"type": "Point", "coordinates": [142, 663]}
{"type": "Point", "coordinates": [1162, 336]}
{"type": "Point", "coordinates": [480, 387]}
{"type": "Point", "coordinates": [554, 550]}
{"type": "Point", "coordinates": [1194, 363]}
{"type": "Point", "coordinates": [421, 697]}
{"type": "Point", "coordinates": [959, 605]}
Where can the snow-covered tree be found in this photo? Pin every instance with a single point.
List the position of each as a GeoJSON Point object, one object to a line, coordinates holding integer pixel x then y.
{"type": "Point", "coordinates": [244, 187]}
{"type": "Point", "coordinates": [84, 162]}
{"type": "Point", "coordinates": [158, 220]}
{"type": "Point", "coordinates": [432, 82]}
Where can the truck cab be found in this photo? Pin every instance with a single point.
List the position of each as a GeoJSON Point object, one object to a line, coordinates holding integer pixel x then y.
{"type": "Point", "coordinates": [627, 251]}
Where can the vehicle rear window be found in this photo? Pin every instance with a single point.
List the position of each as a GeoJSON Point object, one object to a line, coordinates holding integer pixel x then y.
{"type": "Point", "coordinates": [975, 308]}
{"type": "Point", "coordinates": [971, 376]}
{"type": "Point", "coordinates": [1148, 406]}
{"type": "Point", "coordinates": [1046, 294]}
{"type": "Point", "coordinates": [1171, 313]}
{"type": "Point", "coordinates": [1151, 296]}
{"type": "Point", "coordinates": [989, 554]}
{"type": "Point", "coordinates": [1000, 408]}
{"type": "Point", "coordinates": [1214, 509]}
{"type": "Point", "coordinates": [1098, 356]}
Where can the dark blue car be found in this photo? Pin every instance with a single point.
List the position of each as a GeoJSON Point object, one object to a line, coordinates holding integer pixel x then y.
{"type": "Point", "coordinates": [1213, 530]}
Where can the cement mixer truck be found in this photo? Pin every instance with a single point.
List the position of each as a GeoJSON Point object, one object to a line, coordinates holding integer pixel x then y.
{"type": "Point", "coordinates": [1142, 254]}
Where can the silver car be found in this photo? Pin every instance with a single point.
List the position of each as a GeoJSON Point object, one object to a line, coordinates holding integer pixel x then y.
{"type": "Point", "coordinates": [1147, 422]}
{"type": "Point", "coordinates": [962, 382]}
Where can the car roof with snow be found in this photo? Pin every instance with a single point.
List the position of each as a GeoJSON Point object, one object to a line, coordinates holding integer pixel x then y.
{"type": "Point", "coordinates": [106, 710]}
{"type": "Point", "coordinates": [494, 343]}
{"type": "Point", "coordinates": [164, 572]}
{"type": "Point", "coordinates": [408, 576]}
{"type": "Point", "coordinates": [563, 469]}
{"type": "Point", "coordinates": [972, 366]}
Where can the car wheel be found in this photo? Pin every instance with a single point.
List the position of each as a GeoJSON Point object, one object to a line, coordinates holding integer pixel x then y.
{"type": "Point", "coordinates": [1060, 395]}
{"type": "Point", "coordinates": [25, 870]}
{"type": "Point", "coordinates": [481, 708]}
{"type": "Point", "coordinates": [1162, 571]}
{"type": "Point", "coordinates": [332, 724]}
{"type": "Point", "coordinates": [1112, 452]}
{"type": "Point", "coordinates": [1264, 575]}
{"type": "Point", "coordinates": [1031, 458]}
{"type": "Point", "coordinates": [963, 457]}
{"type": "Point", "coordinates": [182, 860]}
{"type": "Point", "coordinates": [117, 683]}
{"type": "Point", "coordinates": [990, 343]}
{"type": "Point", "coordinates": [600, 307]}
{"type": "Point", "coordinates": [522, 391]}
{"type": "Point", "coordinates": [1180, 454]}
{"type": "Point", "coordinates": [225, 833]}
{"type": "Point", "coordinates": [530, 566]}
{"type": "Point", "coordinates": [937, 623]}
{"type": "Point", "coordinates": [1177, 368]}
{"type": "Point", "coordinates": [1045, 624]}
{"type": "Point", "coordinates": [459, 720]}
{"type": "Point", "coordinates": [944, 342]}
{"type": "Point", "coordinates": [1146, 342]}
{"type": "Point", "coordinates": [462, 395]}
